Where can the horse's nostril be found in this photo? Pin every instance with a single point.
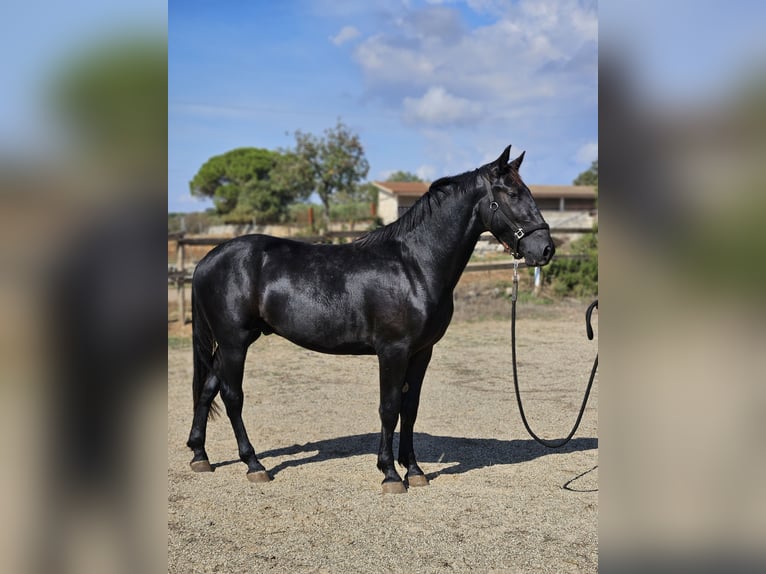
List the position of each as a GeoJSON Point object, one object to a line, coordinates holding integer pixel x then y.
{"type": "Point", "coordinates": [547, 252]}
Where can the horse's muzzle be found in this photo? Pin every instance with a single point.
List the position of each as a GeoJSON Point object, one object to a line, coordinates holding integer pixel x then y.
{"type": "Point", "coordinates": [533, 258]}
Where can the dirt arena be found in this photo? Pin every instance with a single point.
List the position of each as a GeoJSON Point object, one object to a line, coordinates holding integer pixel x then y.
{"type": "Point", "coordinates": [496, 502]}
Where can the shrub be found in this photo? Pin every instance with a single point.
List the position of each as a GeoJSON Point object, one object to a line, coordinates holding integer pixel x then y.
{"type": "Point", "coordinates": [576, 277]}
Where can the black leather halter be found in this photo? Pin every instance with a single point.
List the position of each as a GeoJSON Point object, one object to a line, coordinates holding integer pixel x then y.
{"type": "Point", "coordinates": [519, 232]}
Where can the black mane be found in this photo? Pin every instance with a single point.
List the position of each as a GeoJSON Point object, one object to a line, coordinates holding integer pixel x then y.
{"type": "Point", "coordinates": [421, 209]}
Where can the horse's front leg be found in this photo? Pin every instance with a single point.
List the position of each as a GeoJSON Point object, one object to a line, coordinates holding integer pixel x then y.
{"type": "Point", "coordinates": [413, 382]}
{"type": "Point", "coordinates": [393, 366]}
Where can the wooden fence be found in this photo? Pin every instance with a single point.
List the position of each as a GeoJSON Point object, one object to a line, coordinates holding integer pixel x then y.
{"type": "Point", "coordinates": [180, 276]}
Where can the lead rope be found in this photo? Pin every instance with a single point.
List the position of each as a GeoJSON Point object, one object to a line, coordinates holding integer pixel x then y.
{"type": "Point", "coordinates": [548, 443]}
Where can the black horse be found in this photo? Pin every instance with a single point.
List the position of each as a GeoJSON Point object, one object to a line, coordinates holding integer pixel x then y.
{"type": "Point", "coordinates": [389, 293]}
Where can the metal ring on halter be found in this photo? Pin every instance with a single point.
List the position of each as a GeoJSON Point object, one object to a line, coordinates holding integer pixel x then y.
{"type": "Point", "coordinates": [493, 205]}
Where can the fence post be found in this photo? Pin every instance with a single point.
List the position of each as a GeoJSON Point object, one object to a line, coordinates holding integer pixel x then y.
{"type": "Point", "coordinates": [538, 281]}
{"type": "Point", "coordinates": [181, 289]}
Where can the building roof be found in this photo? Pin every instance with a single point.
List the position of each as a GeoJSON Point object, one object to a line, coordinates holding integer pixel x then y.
{"type": "Point", "coordinates": [418, 188]}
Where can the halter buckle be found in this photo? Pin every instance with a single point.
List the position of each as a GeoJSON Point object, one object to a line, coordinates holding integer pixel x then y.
{"type": "Point", "coordinates": [493, 205]}
{"type": "Point", "coordinates": [519, 233]}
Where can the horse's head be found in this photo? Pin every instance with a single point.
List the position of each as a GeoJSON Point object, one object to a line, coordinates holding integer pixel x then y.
{"type": "Point", "coordinates": [511, 214]}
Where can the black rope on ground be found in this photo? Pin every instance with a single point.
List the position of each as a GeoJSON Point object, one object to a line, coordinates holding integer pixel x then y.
{"type": "Point", "coordinates": [571, 480]}
{"type": "Point", "coordinates": [589, 329]}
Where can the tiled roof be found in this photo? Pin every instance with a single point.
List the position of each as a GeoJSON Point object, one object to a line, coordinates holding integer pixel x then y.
{"type": "Point", "coordinates": [417, 188]}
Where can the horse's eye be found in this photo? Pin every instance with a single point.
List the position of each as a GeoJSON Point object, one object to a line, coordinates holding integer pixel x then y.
{"type": "Point", "coordinates": [513, 194]}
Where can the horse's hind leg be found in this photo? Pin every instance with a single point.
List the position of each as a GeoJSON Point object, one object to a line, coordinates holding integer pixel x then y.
{"type": "Point", "coordinates": [196, 442]}
{"type": "Point", "coordinates": [232, 370]}
{"type": "Point", "coordinates": [413, 382]}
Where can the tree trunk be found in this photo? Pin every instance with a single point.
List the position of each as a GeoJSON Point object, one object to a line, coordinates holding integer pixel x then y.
{"type": "Point", "coordinates": [326, 216]}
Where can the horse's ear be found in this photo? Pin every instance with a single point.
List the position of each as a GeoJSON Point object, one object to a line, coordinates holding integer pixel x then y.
{"type": "Point", "coordinates": [501, 163]}
{"type": "Point", "coordinates": [516, 164]}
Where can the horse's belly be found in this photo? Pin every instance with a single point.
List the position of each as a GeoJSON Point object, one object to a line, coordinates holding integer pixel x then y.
{"type": "Point", "coordinates": [337, 330]}
{"type": "Point", "coordinates": [336, 340]}
{"type": "Point", "coordinates": [334, 348]}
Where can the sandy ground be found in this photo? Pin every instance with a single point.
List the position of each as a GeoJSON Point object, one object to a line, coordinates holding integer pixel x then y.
{"type": "Point", "coordinates": [496, 501]}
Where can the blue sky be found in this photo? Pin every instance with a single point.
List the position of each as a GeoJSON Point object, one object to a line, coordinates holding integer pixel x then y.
{"type": "Point", "coordinates": [435, 88]}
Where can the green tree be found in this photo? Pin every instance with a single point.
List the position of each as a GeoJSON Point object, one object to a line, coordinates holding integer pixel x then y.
{"type": "Point", "coordinates": [403, 176]}
{"type": "Point", "coordinates": [241, 185]}
{"type": "Point", "coordinates": [578, 277]}
{"type": "Point", "coordinates": [292, 176]}
{"type": "Point", "coordinates": [354, 204]}
{"type": "Point", "coordinates": [331, 164]}
{"type": "Point", "coordinates": [589, 176]}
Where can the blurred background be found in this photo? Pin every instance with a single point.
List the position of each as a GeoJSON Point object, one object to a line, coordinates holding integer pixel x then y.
{"type": "Point", "coordinates": [682, 133]}
{"type": "Point", "coordinates": [83, 179]}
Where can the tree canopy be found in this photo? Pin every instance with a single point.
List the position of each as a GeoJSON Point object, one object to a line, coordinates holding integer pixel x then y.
{"type": "Point", "coordinates": [403, 176]}
{"type": "Point", "coordinates": [589, 176]}
{"type": "Point", "coordinates": [240, 183]}
{"type": "Point", "coordinates": [330, 164]}
{"type": "Point", "coordinates": [252, 182]}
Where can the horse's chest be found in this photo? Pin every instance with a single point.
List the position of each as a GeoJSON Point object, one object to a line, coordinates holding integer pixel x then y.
{"type": "Point", "coordinates": [440, 319]}
{"type": "Point", "coordinates": [429, 324]}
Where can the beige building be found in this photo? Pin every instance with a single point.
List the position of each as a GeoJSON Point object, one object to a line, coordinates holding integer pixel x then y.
{"type": "Point", "coordinates": [555, 201]}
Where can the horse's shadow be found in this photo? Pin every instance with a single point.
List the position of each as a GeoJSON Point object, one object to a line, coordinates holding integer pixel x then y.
{"type": "Point", "coordinates": [460, 453]}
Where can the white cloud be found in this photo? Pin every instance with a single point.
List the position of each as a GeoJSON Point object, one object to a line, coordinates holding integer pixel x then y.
{"type": "Point", "coordinates": [439, 107]}
{"type": "Point", "coordinates": [526, 74]}
{"type": "Point", "coordinates": [384, 61]}
{"type": "Point", "coordinates": [346, 34]}
{"type": "Point", "coordinates": [532, 52]}
{"type": "Point", "coordinates": [587, 153]}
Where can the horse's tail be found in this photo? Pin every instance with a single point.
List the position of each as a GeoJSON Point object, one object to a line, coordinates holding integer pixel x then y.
{"type": "Point", "coordinates": [204, 349]}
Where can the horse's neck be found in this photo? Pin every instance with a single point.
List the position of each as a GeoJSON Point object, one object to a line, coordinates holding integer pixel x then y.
{"type": "Point", "coordinates": [444, 243]}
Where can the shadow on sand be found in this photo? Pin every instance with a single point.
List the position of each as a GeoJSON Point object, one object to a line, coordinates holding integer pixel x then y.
{"type": "Point", "coordinates": [462, 454]}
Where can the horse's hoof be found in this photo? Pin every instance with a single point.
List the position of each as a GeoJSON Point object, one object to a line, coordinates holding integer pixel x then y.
{"type": "Point", "coordinates": [417, 480]}
{"type": "Point", "coordinates": [394, 487]}
{"type": "Point", "coordinates": [201, 466]}
{"type": "Point", "coordinates": [258, 476]}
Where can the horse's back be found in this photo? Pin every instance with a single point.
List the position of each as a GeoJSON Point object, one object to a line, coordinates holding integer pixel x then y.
{"type": "Point", "coordinates": [322, 297]}
{"type": "Point", "coordinates": [343, 299]}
